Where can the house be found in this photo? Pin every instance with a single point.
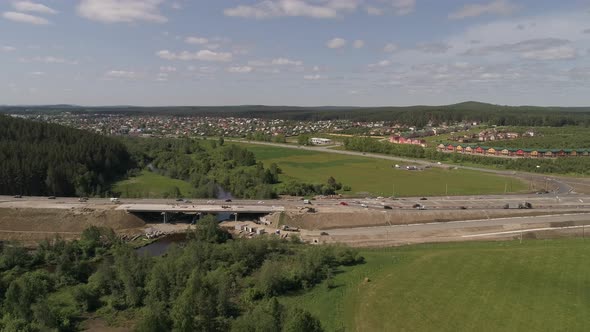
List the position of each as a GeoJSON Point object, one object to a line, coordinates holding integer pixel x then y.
{"type": "Point", "coordinates": [404, 140]}
{"type": "Point", "coordinates": [320, 141]}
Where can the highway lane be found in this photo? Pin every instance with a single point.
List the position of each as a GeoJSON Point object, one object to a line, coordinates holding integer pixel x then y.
{"type": "Point", "coordinates": [445, 203]}
{"type": "Point", "coordinates": [561, 187]}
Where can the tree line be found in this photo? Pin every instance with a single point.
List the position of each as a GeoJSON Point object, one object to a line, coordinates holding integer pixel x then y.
{"type": "Point", "coordinates": [571, 165]}
{"type": "Point", "coordinates": [46, 159]}
{"type": "Point", "coordinates": [209, 283]}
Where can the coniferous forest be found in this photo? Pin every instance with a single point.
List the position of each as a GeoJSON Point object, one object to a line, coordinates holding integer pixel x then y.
{"type": "Point", "coordinates": [46, 159]}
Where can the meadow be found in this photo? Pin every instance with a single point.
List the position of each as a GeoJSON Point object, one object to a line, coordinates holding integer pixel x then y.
{"type": "Point", "coordinates": [151, 185]}
{"type": "Point", "coordinates": [539, 285]}
{"type": "Point", "coordinates": [379, 177]}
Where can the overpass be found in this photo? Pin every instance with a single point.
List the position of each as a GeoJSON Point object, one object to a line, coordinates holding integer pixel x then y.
{"type": "Point", "coordinates": [167, 209]}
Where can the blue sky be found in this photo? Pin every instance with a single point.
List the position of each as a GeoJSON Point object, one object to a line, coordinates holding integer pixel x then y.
{"type": "Point", "coordinates": [294, 52]}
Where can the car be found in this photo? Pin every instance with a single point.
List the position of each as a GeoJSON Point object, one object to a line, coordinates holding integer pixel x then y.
{"type": "Point", "coordinates": [417, 206]}
{"type": "Point", "coordinates": [187, 201]}
{"type": "Point", "coordinates": [364, 205]}
{"type": "Point", "coordinates": [18, 196]}
{"type": "Point", "coordinates": [179, 199]}
{"type": "Point", "coordinates": [387, 207]}
{"type": "Point", "coordinates": [51, 197]}
{"type": "Point", "coordinates": [423, 199]}
{"type": "Point", "coordinates": [260, 202]}
{"type": "Point", "coordinates": [210, 202]}
{"type": "Point", "coordinates": [82, 199]}
{"type": "Point", "coordinates": [324, 233]}
{"type": "Point", "coordinates": [228, 200]}
{"type": "Point", "coordinates": [463, 208]}
{"type": "Point", "coordinates": [343, 203]}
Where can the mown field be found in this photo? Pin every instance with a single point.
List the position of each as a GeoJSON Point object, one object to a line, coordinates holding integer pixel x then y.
{"type": "Point", "coordinates": [151, 185]}
{"type": "Point", "coordinates": [539, 285]}
{"type": "Point", "coordinates": [378, 177]}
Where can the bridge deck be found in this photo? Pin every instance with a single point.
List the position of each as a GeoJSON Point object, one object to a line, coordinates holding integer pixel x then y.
{"type": "Point", "coordinates": [187, 208]}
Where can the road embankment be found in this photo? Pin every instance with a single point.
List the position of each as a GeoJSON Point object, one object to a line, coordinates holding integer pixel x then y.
{"type": "Point", "coordinates": [31, 225]}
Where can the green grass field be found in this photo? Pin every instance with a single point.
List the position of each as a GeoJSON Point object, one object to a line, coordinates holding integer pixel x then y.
{"type": "Point", "coordinates": [150, 185]}
{"type": "Point", "coordinates": [378, 177]}
{"type": "Point", "coordinates": [539, 285]}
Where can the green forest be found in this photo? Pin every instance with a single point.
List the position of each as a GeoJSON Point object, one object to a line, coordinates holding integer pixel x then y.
{"type": "Point", "coordinates": [209, 283]}
{"type": "Point", "coordinates": [579, 165]}
{"type": "Point", "coordinates": [211, 166]}
{"type": "Point", "coordinates": [420, 115]}
{"type": "Point", "coordinates": [46, 159]}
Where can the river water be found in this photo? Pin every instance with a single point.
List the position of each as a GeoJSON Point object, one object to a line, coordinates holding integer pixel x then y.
{"type": "Point", "coordinates": [159, 247]}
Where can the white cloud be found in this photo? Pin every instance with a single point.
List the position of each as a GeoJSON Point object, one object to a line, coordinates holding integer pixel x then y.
{"type": "Point", "coordinates": [435, 48]}
{"type": "Point", "coordinates": [390, 47]}
{"type": "Point", "coordinates": [336, 43]}
{"type": "Point", "coordinates": [196, 40]}
{"type": "Point", "coordinates": [28, 6]}
{"type": "Point", "coordinates": [536, 49]}
{"type": "Point", "coordinates": [7, 49]}
{"type": "Point", "coordinates": [553, 53]}
{"type": "Point", "coordinates": [24, 18]}
{"type": "Point", "coordinates": [239, 69]}
{"type": "Point", "coordinates": [496, 7]}
{"type": "Point", "coordinates": [374, 11]}
{"type": "Point", "coordinates": [125, 11]}
{"type": "Point", "coordinates": [121, 74]}
{"type": "Point", "coordinates": [168, 69]}
{"type": "Point", "coordinates": [286, 62]}
{"type": "Point", "coordinates": [358, 43]}
{"type": "Point", "coordinates": [162, 77]}
{"type": "Point", "coordinates": [382, 63]}
{"type": "Point", "coordinates": [312, 77]}
{"type": "Point", "coordinates": [403, 7]}
{"type": "Point", "coordinates": [291, 8]}
{"type": "Point", "coordinates": [203, 55]}
{"type": "Point", "coordinates": [49, 60]}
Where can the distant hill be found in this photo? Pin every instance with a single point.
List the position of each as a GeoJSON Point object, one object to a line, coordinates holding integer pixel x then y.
{"type": "Point", "coordinates": [418, 115]}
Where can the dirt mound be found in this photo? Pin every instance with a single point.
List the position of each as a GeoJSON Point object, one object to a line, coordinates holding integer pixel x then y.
{"type": "Point", "coordinates": [349, 219]}
{"type": "Point", "coordinates": [31, 224]}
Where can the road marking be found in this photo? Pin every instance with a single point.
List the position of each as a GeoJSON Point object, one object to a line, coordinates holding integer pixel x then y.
{"type": "Point", "coordinates": [523, 230]}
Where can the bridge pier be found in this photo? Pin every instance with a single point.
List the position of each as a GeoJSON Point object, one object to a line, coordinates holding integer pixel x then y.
{"type": "Point", "coordinates": [165, 214]}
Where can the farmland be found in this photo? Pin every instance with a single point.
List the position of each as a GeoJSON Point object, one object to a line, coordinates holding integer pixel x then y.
{"type": "Point", "coordinates": [539, 285]}
{"type": "Point", "coordinates": [151, 185]}
{"type": "Point", "coordinates": [378, 177]}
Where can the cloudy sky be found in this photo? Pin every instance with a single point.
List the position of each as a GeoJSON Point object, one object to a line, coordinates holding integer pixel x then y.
{"type": "Point", "coordinates": [294, 52]}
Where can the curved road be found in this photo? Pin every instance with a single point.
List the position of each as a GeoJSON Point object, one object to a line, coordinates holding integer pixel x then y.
{"type": "Point", "coordinates": [561, 187]}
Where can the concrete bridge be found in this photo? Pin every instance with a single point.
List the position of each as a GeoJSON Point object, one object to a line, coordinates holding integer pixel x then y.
{"type": "Point", "coordinates": [167, 209]}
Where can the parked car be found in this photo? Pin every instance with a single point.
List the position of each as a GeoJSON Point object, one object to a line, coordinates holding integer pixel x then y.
{"type": "Point", "coordinates": [228, 200]}
{"type": "Point", "coordinates": [324, 233]}
{"type": "Point", "coordinates": [423, 199]}
{"type": "Point", "coordinates": [82, 199]}
{"type": "Point", "coordinates": [51, 197]}
{"type": "Point", "coordinates": [387, 207]}
{"type": "Point", "coordinates": [364, 205]}
{"type": "Point", "coordinates": [463, 208]}
{"type": "Point", "coordinates": [343, 203]}
{"type": "Point", "coordinates": [18, 196]}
